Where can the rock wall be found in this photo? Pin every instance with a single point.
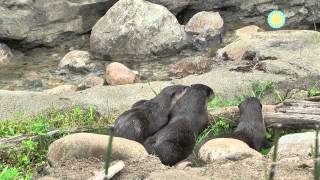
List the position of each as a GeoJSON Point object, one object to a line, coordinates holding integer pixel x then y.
{"type": "Point", "coordinates": [299, 12]}
{"type": "Point", "coordinates": [48, 22]}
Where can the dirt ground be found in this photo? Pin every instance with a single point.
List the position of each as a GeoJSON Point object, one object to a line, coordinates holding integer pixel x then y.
{"type": "Point", "coordinates": [151, 168]}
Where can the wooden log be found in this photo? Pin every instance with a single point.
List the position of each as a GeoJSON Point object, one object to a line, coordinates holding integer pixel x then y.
{"type": "Point", "coordinates": [299, 110]}
{"type": "Point", "coordinates": [272, 118]}
{"type": "Point", "coordinates": [292, 121]}
{"type": "Point", "coordinates": [314, 98]}
{"type": "Point", "coordinates": [301, 103]}
{"type": "Point", "coordinates": [232, 112]}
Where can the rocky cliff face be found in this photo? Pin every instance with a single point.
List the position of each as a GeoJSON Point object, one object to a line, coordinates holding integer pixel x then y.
{"type": "Point", "coordinates": [299, 12]}
{"type": "Point", "coordinates": [48, 22]}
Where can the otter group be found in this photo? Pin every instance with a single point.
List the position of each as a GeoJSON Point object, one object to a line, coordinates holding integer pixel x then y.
{"type": "Point", "coordinates": [168, 124]}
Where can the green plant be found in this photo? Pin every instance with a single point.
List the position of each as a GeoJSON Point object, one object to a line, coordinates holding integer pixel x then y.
{"type": "Point", "coordinates": [265, 151]}
{"type": "Point", "coordinates": [260, 88]}
{"type": "Point", "coordinates": [218, 102]}
{"type": "Point", "coordinates": [272, 171]}
{"type": "Point", "coordinates": [280, 96]}
{"type": "Point", "coordinates": [28, 155]}
{"type": "Point", "coordinates": [314, 91]}
{"type": "Point", "coordinates": [316, 157]}
{"type": "Point", "coordinates": [8, 173]}
{"type": "Point", "coordinates": [219, 126]}
{"type": "Point", "coordinates": [109, 153]}
{"type": "Point", "coordinates": [154, 92]}
{"type": "Point", "coordinates": [50, 120]}
{"type": "Point", "coordinates": [24, 158]}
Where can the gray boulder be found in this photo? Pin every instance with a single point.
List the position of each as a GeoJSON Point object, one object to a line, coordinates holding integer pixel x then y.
{"type": "Point", "coordinates": [296, 145]}
{"type": "Point", "coordinates": [223, 149]}
{"type": "Point", "coordinates": [205, 29]}
{"type": "Point", "coordinates": [86, 145]}
{"type": "Point", "coordinates": [143, 30]}
{"type": "Point", "coordinates": [76, 60]}
{"type": "Point", "coordinates": [49, 22]}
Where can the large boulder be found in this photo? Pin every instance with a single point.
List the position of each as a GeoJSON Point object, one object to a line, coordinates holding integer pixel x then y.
{"type": "Point", "coordinates": [86, 145]}
{"type": "Point", "coordinates": [76, 60]}
{"type": "Point", "coordinates": [223, 149]}
{"type": "Point", "coordinates": [296, 145]}
{"type": "Point", "coordinates": [204, 21]}
{"type": "Point", "coordinates": [286, 52]}
{"type": "Point", "coordinates": [205, 29]}
{"type": "Point", "coordinates": [5, 54]}
{"type": "Point", "coordinates": [49, 22]}
{"type": "Point", "coordinates": [137, 29]}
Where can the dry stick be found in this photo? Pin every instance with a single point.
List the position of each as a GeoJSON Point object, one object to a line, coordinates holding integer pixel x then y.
{"type": "Point", "coordinates": [274, 156]}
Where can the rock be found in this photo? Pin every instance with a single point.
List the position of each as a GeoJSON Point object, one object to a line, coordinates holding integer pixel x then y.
{"type": "Point", "coordinates": [34, 83]}
{"type": "Point", "coordinates": [90, 82]}
{"type": "Point", "coordinates": [55, 82]}
{"type": "Point", "coordinates": [117, 74]}
{"type": "Point", "coordinates": [234, 51]}
{"type": "Point", "coordinates": [61, 89]}
{"type": "Point", "coordinates": [205, 29]}
{"type": "Point", "coordinates": [247, 31]}
{"type": "Point", "coordinates": [85, 145]}
{"type": "Point", "coordinates": [296, 145]}
{"type": "Point", "coordinates": [223, 149]}
{"type": "Point", "coordinates": [49, 22]}
{"type": "Point", "coordinates": [191, 65]}
{"type": "Point", "coordinates": [282, 52]}
{"type": "Point", "coordinates": [5, 54]}
{"type": "Point", "coordinates": [142, 33]}
{"type": "Point", "coordinates": [298, 13]}
{"type": "Point", "coordinates": [76, 60]}
{"type": "Point", "coordinates": [297, 94]}
{"type": "Point", "coordinates": [173, 6]}
{"type": "Point", "coordinates": [203, 22]}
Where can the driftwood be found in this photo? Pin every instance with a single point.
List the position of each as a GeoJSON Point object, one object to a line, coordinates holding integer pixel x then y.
{"type": "Point", "coordinates": [291, 114]}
